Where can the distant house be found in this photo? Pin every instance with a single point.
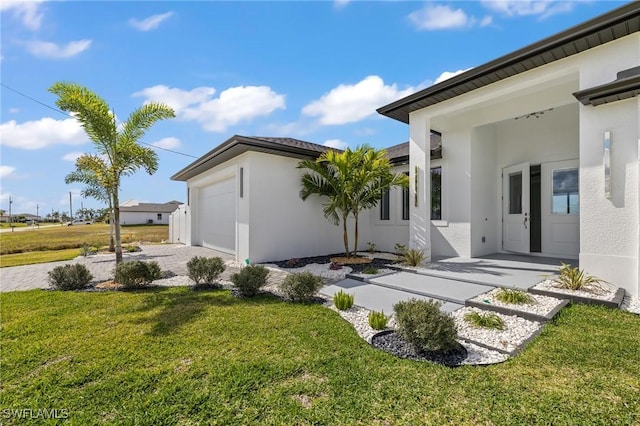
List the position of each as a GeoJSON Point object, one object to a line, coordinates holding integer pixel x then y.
{"type": "Point", "coordinates": [133, 212]}
{"type": "Point", "coordinates": [19, 217]}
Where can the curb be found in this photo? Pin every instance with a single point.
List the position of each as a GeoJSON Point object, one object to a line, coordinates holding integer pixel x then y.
{"type": "Point", "coordinates": [614, 303]}
{"type": "Point", "coordinates": [522, 314]}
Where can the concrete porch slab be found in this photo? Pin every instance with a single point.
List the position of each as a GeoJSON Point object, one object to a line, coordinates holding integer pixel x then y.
{"type": "Point", "coordinates": [379, 298]}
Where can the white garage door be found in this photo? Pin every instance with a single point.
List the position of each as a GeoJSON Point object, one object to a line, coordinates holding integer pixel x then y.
{"type": "Point", "coordinates": [217, 216]}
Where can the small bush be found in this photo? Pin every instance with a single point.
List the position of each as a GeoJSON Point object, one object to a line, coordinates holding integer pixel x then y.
{"type": "Point", "coordinates": [250, 279]}
{"type": "Point", "coordinates": [371, 247]}
{"type": "Point", "coordinates": [301, 287]}
{"type": "Point", "coordinates": [204, 270]}
{"type": "Point", "coordinates": [575, 279]}
{"type": "Point", "coordinates": [85, 250]}
{"type": "Point", "coordinates": [70, 277]}
{"type": "Point", "coordinates": [487, 320]}
{"type": "Point", "coordinates": [137, 273]}
{"type": "Point", "coordinates": [421, 323]}
{"type": "Point", "coordinates": [370, 270]}
{"type": "Point", "coordinates": [400, 248]}
{"type": "Point", "coordinates": [413, 257]}
{"type": "Point", "coordinates": [132, 249]}
{"type": "Point", "coordinates": [343, 300]}
{"type": "Point", "coordinates": [378, 320]}
{"type": "Point", "coordinates": [513, 296]}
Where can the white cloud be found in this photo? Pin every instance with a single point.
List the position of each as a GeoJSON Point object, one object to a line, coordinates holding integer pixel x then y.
{"type": "Point", "coordinates": [336, 143]}
{"type": "Point", "coordinates": [167, 143]}
{"type": "Point", "coordinates": [28, 11]}
{"type": "Point", "coordinates": [448, 74]}
{"type": "Point", "coordinates": [543, 8]}
{"type": "Point", "coordinates": [21, 204]}
{"type": "Point", "coordinates": [150, 23]}
{"type": "Point", "coordinates": [339, 4]}
{"type": "Point", "coordinates": [14, 110]}
{"type": "Point", "coordinates": [439, 17]}
{"type": "Point", "coordinates": [232, 106]}
{"type": "Point", "coordinates": [72, 156]}
{"type": "Point", "coordinates": [6, 171]}
{"type": "Point", "coordinates": [47, 49]}
{"type": "Point", "coordinates": [349, 103]}
{"type": "Point", "coordinates": [42, 133]}
{"type": "Point", "coordinates": [486, 21]}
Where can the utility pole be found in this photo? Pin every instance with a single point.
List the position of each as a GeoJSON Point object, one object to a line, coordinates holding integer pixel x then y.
{"type": "Point", "coordinates": [70, 208]}
{"type": "Point", "coordinates": [10, 202]}
{"type": "Point", "coordinates": [38, 214]}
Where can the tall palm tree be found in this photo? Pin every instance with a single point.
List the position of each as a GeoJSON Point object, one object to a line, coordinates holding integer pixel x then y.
{"type": "Point", "coordinates": [352, 181]}
{"type": "Point", "coordinates": [118, 153]}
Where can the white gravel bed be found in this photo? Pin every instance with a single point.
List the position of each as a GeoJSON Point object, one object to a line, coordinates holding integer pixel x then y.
{"type": "Point", "coordinates": [631, 304]}
{"type": "Point", "coordinates": [359, 318]}
{"type": "Point", "coordinates": [542, 305]}
{"type": "Point", "coordinates": [178, 280]}
{"type": "Point", "coordinates": [608, 294]}
{"type": "Point", "coordinates": [320, 270]}
{"type": "Point", "coordinates": [516, 331]}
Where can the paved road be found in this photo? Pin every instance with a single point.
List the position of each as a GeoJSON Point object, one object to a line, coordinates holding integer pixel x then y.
{"type": "Point", "coordinates": [170, 257]}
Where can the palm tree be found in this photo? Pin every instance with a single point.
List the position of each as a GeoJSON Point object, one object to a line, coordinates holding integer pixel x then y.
{"type": "Point", "coordinates": [118, 151]}
{"type": "Point", "coordinates": [352, 181]}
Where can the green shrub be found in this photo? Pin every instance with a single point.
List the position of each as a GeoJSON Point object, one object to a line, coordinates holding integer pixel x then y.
{"type": "Point", "coordinates": [513, 296]}
{"type": "Point", "coordinates": [70, 277]}
{"type": "Point", "coordinates": [85, 250]}
{"type": "Point", "coordinates": [204, 270]}
{"type": "Point", "coordinates": [378, 320]}
{"type": "Point", "coordinates": [486, 320]}
{"type": "Point", "coordinates": [413, 257]}
{"type": "Point", "coordinates": [400, 248]}
{"type": "Point", "coordinates": [137, 273]}
{"type": "Point", "coordinates": [421, 323]}
{"type": "Point", "coordinates": [371, 247]}
{"type": "Point", "coordinates": [370, 270]}
{"type": "Point", "coordinates": [343, 300]}
{"type": "Point", "coordinates": [250, 279]}
{"type": "Point", "coordinates": [301, 287]}
{"type": "Point", "coordinates": [575, 279]}
{"type": "Point", "coordinates": [132, 249]}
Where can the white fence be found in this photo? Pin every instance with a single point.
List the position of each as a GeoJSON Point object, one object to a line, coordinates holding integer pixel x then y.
{"type": "Point", "coordinates": [178, 225]}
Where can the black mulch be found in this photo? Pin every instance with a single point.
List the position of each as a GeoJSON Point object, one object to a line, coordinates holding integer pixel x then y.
{"type": "Point", "coordinates": [376, 262]}
{"type": "Point", "coordinates": [393, 343]}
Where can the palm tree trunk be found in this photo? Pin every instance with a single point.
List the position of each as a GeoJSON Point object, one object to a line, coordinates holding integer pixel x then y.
{"type": "Point", "coordinates": [116, 215]}
{"type": "Point", "coordinates": [345, 236]}
{"type": "Point", "coordinates": [112, 245]}
{"type": "Point", "coordinates": [355, 245]}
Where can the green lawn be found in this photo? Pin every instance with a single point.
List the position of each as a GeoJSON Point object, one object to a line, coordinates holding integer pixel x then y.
{"type": "Point", "coordinates": [29, 258]}
{"type": "Point", "coordinates": [180, 357]}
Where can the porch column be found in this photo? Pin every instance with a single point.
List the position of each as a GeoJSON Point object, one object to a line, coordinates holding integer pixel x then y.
{"type": "Point", "coordinates": [420, 183]}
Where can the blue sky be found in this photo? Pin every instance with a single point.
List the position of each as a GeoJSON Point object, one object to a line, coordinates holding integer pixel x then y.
{"type": "Point", "coordinates": [310, 70]}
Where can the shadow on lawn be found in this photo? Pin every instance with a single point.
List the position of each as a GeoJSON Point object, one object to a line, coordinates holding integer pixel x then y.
{"type": "Point", "coordinates": [172, 310]}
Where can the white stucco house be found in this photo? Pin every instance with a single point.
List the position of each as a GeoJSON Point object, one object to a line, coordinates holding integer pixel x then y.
{"type": "Point", "coordinates": [536, 152]}
{"type": "Point", "coordinates": [540, 151]}
{"type": "Point", "coordinates": [132, 212]}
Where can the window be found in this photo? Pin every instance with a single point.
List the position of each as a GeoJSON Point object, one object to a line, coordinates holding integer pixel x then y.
{"type": "Point", "coordinates": [405, 201]}
{"type": "Point", "coordinates": [566, 199]}
{"type": "Point", "coordinates": [159, 216]}
{"type": "Point", "coordinates": [515, 193]}
{"type": "Point", "coordinates": [436, 193]}
{"type": "Point", "coordinates": [384, 206]}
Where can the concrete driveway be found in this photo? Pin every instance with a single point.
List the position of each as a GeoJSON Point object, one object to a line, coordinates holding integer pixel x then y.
{"type": "Point", "coordinates": [170, 257]}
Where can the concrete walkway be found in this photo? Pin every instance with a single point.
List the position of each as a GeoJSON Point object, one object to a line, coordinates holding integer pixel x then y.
{"type": "Point", "coordinates": [170, 257]}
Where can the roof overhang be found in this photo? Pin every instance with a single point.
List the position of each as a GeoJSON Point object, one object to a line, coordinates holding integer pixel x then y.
{"type": "Point", "coordinates": [237, 145]}
{"type": "Point", "coordinates": [616, 24]}
{"type": "Point", "coordinates": [626, 86]}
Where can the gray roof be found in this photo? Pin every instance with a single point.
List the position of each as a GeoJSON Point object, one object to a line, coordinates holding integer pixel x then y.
{"type": "Point", "coordinates": [616, 24]}
{"type": "Point", "coordinates": [625, 86]}
{"type": "Point", "coordinates": [288, 147]}
{"type": "Point", "coordinates": [400, 153]}
{"type": "Point", "coordinates": [169, 207]}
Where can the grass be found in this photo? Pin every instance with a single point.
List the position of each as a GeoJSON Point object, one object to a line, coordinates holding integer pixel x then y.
{"type": "Point", "coordinates": [31, 258]}
{"type": "Point", "coordinates": [514, 296]}
{"type": "Point", "coordinates": [175, 356]}
{"type": "Point", "coordinates": [485, 320]}
{"type": "Point", "coordinates": [5, 225]}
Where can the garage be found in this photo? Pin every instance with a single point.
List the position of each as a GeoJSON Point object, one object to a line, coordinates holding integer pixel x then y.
{"type": "Point", "coordinates": [217, 216]}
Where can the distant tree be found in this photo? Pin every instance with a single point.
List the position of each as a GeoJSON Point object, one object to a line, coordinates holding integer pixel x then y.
{"type": "Point", "coordinates": [118, 151]}
{"type": "Point", "coordinates": [2, 212]}
{"type": "Point", "coordinates": [351, 181]}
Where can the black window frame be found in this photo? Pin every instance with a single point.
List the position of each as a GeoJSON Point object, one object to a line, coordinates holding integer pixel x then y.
{"type": "Point", "coordinates": [385, 208]}
{"type": "Point", "coordinates": [405, 201]}
{"type": "Point", "coordinates": [436, 211]}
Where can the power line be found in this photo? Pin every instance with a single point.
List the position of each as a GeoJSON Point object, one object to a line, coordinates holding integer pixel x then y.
{"type": "Point", "coordinates": [69, 115]}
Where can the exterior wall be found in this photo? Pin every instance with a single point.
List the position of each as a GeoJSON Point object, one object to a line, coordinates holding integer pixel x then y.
{"type": "Point", "coordinates": [385, 234]}
{"type": "Point", "coordinates": [485, 194]}
{"type": "Point", "coordinates": [140, 218]}
{"type": "Point", "coordinates": [178, 225]}
{"type": "Point", "coordinates": [420, 182]}
{"type": "Point", "coordinates": [282, 225]}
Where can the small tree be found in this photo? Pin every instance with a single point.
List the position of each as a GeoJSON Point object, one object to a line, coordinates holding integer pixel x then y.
{"type": "Point", "coordinates": [351, 181]}
{"type": "Point", "coordinates": [118, 151]}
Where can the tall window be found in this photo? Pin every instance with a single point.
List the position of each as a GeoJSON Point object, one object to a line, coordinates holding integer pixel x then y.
{"type": "Point", "coordinates": [159, 216]}
{"type": "Point", "coordinates": [384, 206]}
{"type": "Point", "coordinates": [405, 201]}
{"type": "Point", "coordinates": [436, 193]}
{"type": "Point", "coordinates": [566, 199]}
